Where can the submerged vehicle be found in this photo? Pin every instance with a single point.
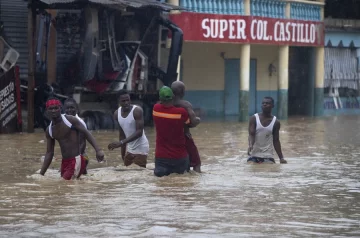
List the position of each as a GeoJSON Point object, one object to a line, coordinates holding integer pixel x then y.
{"type": "Point", "coordinates": [120, 46]}
{"type": "Point", "coordinates": [101, 48]}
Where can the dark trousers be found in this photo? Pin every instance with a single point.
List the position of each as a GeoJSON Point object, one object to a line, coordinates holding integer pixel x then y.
{"type": "Point", "coordinates": [164, 167]}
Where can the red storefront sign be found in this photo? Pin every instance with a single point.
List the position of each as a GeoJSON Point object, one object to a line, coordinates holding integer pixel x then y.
{"type": "Point", "coordinates": [249, 29]}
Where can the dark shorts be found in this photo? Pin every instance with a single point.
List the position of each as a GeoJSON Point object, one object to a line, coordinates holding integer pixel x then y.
{"type": "Point", "coordinates": [72, 168]}
{"type": "Point", "coordinates": [193, 152]}
{"type": "Point", "coordinates": [137, 159]}
{"type": "Point", "coordinates": [261, 160]}
{"type": "Point", "coordinates": [164, 167]}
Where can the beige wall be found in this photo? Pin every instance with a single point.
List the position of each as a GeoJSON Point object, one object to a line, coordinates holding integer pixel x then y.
{"type": "Point", "coordinates": [203, 66]}
{"type": "Point", "coordinates": [265, 55]}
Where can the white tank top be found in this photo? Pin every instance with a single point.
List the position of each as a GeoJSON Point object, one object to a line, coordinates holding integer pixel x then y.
{"type": "Point", "coordinates": [263, 146]}
{"type": "Point", "coordinates": [128, 124]}
{"type": "Point", "coordinates": [66, 121]}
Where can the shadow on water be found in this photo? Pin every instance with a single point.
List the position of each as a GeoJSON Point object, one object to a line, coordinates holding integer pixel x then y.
{"type": "Point", "coordinates": [316, 194]}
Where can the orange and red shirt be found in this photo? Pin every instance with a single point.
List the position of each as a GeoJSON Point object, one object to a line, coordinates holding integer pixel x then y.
{"type": "Point", "coordinates": [169, 124]}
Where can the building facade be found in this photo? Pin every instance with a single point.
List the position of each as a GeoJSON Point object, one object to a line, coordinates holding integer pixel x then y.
{"type": "Point", "coordinates": [236, 52]}
{"type": "Point", "coordinates": [342, 67]}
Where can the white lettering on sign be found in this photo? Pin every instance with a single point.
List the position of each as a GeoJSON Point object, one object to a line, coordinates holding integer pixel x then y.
{"type": "Point", "coordinates": [224, 29]}
{"type": "Point", "coordinates": [7, 96]}
{"type": "Point", "coordinates": [259, 30]}
{"type": "Point", "coordinates": [312, 33]}
{"type": "Point", "coordinates": [7, 90]}
{"type": "Point", "coordinates": [7, 110]}
{"type": "Point", "coordinates": [9, 118]}
{"type": "Point", "coordinates": [294, 32]}
{"type": "Point", "coordinates": [7, 103]}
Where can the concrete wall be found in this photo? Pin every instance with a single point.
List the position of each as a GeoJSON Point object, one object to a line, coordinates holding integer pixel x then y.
{"type": "Point", "coordinates": [266, 85]}
{"type": "Point", "coordinates": [203, 73]}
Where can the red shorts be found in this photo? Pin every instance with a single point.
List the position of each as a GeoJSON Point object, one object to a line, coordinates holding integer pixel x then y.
{"type": "Point", "coordinates": [73, 168]}
{"type": "Point", "coordinates": [192, 151]}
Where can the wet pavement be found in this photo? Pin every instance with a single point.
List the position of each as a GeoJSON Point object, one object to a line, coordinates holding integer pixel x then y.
{"type": "Point", "coordinates": [316, 194]}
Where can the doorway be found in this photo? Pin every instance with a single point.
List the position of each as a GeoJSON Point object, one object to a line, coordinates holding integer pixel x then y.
{"type": "Point", "coordinates": [301, 81]}
{"type": "Point", "coordinates": [232, 87]}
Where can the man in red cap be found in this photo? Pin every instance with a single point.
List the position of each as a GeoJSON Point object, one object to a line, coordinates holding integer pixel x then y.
{"type": "Point", "coordinates": [65, 129]}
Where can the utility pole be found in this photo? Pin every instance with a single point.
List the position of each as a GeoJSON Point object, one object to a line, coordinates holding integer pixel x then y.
{"type": "Point", "coordinates": [31, 66]}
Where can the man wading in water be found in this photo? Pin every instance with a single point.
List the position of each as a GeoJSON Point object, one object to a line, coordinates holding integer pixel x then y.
{"type": "Point", "coordinates": [72, 108]}
{"type": "Point", "coordinates": [170, 151]}
{"type": "Point", "coordinates": [264, 135]}
{"type": "Point", "coordinates": [132, 138]}
{"type": "Point", "coordinates": [65, 129]}
{"type": "Point", "coordinates": [178, 89]}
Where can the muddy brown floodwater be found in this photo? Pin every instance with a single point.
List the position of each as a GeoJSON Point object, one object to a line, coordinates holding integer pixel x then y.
{"type": "Point", "coordinates": [316, 194]}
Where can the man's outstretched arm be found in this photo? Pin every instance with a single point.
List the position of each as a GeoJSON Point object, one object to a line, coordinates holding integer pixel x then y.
{"type": "Point", "coordinates": [89, 137]}
{"type": "Point", "coordinates": [122, 136]}
{"type": "Point", "coordinates": [50, 145]}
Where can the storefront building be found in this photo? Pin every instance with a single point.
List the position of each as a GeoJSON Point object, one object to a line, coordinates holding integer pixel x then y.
{"type": "Point", "coordinates": [236, 52]}
{"type": "Point", "coordinates": [342, 67]}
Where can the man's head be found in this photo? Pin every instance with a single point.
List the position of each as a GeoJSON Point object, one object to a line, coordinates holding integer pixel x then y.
{"type": "Point", "coordinates": [71, 107]}
{"type": "Point", "coordinates": [178, 89]}
{"type": "Point", "coordinates": [267, 104]}
{"type": "Point", "coordinates": [53, 108]}
{"type": "Point", "coordinates": [124, 99]}
{"type": "Point", "coordinates": [166, 94]}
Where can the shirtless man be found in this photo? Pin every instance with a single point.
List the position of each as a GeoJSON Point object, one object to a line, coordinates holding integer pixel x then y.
{"type": "Point", "coordinates": [264, 135]}
{"type": "Point", "coordinates": [72, 108]}
{"type": "Point", "coordinates": [65, 129]}
{"type": "Point", "coordinates": [178, 89]}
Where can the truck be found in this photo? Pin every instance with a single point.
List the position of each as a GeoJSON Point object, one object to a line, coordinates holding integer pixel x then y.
{"type": "Point", "coordinates": [122, 46]}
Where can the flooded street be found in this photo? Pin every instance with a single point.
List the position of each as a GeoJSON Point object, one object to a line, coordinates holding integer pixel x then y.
{"type": "Point", "coordinates": [316, 194]}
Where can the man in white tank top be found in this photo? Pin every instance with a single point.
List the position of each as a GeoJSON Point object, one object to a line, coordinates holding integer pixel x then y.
{"type": "Point", "coordinates": [133, 142]}
{"type": "Point", "coordinates": [264, 135]}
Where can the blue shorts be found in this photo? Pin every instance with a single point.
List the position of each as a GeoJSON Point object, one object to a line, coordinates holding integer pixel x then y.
{"type": "Point", "coordinates": [261, 160]}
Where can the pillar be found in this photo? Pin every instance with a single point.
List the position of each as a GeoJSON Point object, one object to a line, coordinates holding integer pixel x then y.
{"type": "Point", "coordinates": [244, 82]}
{"type": "Point", "coordinates": [319, 82]}
{"type": "Point", "coordinates": [244, 74]}
{"type": "Point", "coordinates": [51, 50]}
{"type": "Point", "coordinates": [31, 67]}
{"type": "Point", "coordinates": [283, 76]}
{"type": "Point", "coordinates": [283, 82]}
{"type": "Point", "coordinates": [319, 75]}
